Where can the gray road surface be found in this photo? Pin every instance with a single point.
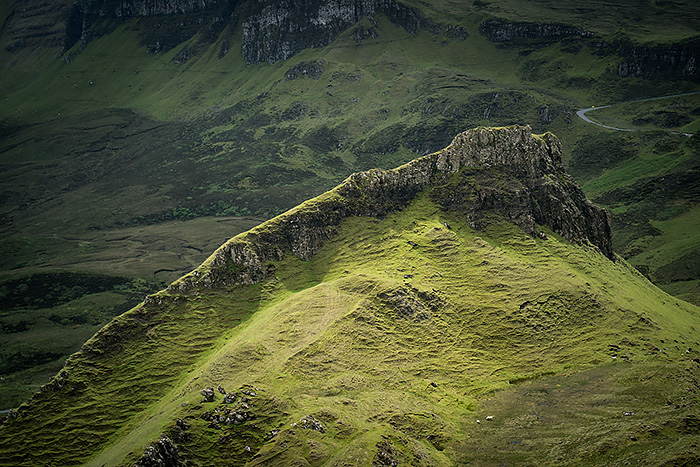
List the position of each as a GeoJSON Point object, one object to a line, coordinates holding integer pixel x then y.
{"type": "Point", "coordinates": [582, 113]}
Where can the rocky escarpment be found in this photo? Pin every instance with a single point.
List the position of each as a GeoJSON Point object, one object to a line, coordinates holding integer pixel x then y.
{"type": "Point", "coordinates": [497, 30]}
{"type": "Point", "coordinates": [272, 30]}
{"type": "Point", "coordinates": [133, 8]}
{"type": "Point", "coordinates": [675, 61]}
{"type": "Point", "coordinates": [46, 24]}
{"type": "Point", "coordinates": [170, 22]}
{"type": "Point", "coordinates": [657, 61]}
{"type": "Point", "coordinates": [283, 29]}
{"type": "Point", "coordinates": [506, 171]}
{"type": "Point", "coordinates": [668, 61]}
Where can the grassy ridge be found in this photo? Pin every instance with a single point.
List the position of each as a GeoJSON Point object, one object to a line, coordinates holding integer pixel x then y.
{"type": "Point", "coordinates": [375, 355]}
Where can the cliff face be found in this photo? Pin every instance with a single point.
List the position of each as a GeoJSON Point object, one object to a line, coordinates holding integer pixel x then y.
{"type": "Point", "coordinates": [42, 24]}
{"type": "Point", "coordinates": [283, 29]}
{"type": "Point", "coordinates": [664, 61]}
{"type": "Point", "coordinates": [170, 22]}
{"type": "Point", "coordinates": [272, 30]}
{"type": "Point", "coordinates": [497, 30]}
{"type": "Point", "coordinates": [671, 61]}
{"type": "Point", "coordinates": [507, 172]}
{"type": "Point", "coordinates": [135, 8]}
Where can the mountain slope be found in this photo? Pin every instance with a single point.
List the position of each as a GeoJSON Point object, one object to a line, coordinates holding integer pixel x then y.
{"type": "Point", "coordinates": [376, 323]}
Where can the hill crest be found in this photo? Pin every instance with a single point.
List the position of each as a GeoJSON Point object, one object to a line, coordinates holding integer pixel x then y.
{"type": "Point", "coordinates": [505, 171]}
{"type": "Point", "coordinates": [380, 316]}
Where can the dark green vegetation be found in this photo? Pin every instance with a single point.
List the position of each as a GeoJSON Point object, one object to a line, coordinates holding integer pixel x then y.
{"type": "Point", "coordinates": [124, 146]}
{"type": "Point", "coordinates": [47, 313]}
{"type": "Point", "coordinates": [402, 337]}
{"type": "Point", "coordinates": [46, 316]}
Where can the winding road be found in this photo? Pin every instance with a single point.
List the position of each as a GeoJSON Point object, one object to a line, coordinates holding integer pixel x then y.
{"type": "Point", "coordinates": [582, 113]}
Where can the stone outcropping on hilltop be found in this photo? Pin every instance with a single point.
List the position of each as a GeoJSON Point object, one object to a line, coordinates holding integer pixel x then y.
{"type": "Point", "coordinates": [504, 171]}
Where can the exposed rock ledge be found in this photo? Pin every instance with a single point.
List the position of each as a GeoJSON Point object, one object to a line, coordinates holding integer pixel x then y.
{"type": "Point", "coordinates": [533, 189]}
{"type": "Point", "coordinates": [498, 30]}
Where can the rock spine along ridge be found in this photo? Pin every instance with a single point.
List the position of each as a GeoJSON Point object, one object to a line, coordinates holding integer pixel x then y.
{"type": "Point", "coordinates": [533, 189]}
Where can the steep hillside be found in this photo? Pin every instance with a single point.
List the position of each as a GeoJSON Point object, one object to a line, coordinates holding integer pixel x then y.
{"type": "Point", "coordinates": [463, 308]}
{"type": "Point", "coordinates": [136, 136]}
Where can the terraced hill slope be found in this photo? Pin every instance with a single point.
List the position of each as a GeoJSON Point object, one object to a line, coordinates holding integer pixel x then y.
{"type": "Point", "coordinates": [463, 308]}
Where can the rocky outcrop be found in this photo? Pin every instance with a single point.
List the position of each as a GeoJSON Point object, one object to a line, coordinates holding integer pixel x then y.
{"type": "Point", "coordinates": [139, 8]}
{"type": "Point", "coordinates": [272, 30]}
{"type": "Point", "coordinates": [674, 61]}
{"type": "Point", "coordinates": [506, 171]}
{"type": "Point", "coordinates": [661, 61]}
{"type": "Point", "coordinates": [498, 30]}
{"type": "Point", "coordinates": [284, 28]}
{"type": "Point", "coordinates": [312, 69]}
{"type": "Point", "coordinates": [168, 22]}
{"type": "Point", "coordinates": [162, 453]}
{"type": "Point", "coordinates": [669, 61]}
{"type": "Point", "coordinates": [144, 8]}
{"type": "Point", "coordinates": [41, 23]}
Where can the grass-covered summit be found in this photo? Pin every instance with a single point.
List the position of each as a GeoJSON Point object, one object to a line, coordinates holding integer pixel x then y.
{"type": "Point", "coordinates": [434, 314]}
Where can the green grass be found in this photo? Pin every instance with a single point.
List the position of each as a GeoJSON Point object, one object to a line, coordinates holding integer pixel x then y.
{"type": "Point", "coordinates": [36, 339]}
{"type": "Point", "coordinates": [646, 179]}
{"type": "Point", "coordinates": [37, 336]}
{"type": "Point", "coordinates": [607, 415]}
{"type": "Point", "coordinates": [650, 162]}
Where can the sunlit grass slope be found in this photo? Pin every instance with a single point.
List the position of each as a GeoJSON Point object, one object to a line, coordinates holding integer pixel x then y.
{"type": "Point", "coordinates": [386, 346]}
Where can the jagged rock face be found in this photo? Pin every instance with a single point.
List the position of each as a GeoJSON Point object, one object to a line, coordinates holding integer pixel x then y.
{"type": "Point", "coordinates": [168, 23]}
{"type": "Point", "coordinates": [272, 30]}
{"type": "Point", "coordinates": [665, 61]}
{"type": "Point", "coordinates": [502, 31]}
{"type": "Point", "coordinates": [669, 61]}
{"type": "Point", "coordinates": [142, 8]}
{"type": "Point", "coordinates": [283, 29]}
{"type": "Point", "coordinates": [507, 172]}
{"type": "Point", "coordinates": [674, 61]}
{"type": "Point", "coordinates": [162, 453]}
{"type": "Point", "coordinates": [133, 8]}
{"type": "Point", "coordinates": [38, 23]}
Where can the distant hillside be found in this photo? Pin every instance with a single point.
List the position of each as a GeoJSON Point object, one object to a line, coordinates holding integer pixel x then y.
{"type": "Point", "coordinates": [137, 136]}
{"type": "Point", "coordinates": [462, 308]}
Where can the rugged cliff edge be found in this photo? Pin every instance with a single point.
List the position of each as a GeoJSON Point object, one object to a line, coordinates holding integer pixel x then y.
{"type": "Point", "coordinates": [272, 31]}
{"type": "Point", "coordinates": [283, 29]}
{"type": "Point", "coordinates": [504, 171]}
{"type": "Point", "coordinates": [498, 30]}
{"type": "Point", "coordinates": [674, 61]}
